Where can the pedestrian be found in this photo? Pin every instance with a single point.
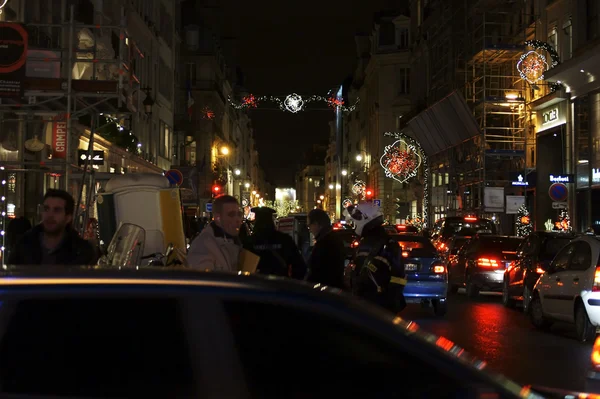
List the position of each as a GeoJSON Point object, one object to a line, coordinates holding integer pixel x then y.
{"type": "Point", "coordinates": [279, 255]}
{"type": "Point", "coordinates": [379, 270]}
{"type": "Point", "coordinates": [327, 260]}
{"type": "Point", "coordinates": [218, 245]}
{"type": "Point", "coordinates": [54, 241]}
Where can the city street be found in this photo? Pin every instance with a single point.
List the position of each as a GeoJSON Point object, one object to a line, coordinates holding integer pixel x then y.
{"type": "Point", "coordinates": [508, 342]}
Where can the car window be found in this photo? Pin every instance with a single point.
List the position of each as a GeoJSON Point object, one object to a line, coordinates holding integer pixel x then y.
{"type": "Point", "coordinates": [561, 261]}
{"type": "Point", "coordinates": [458, 244]}
{"type": "Point", "coordinates": [287, 352]}
{"type": "Point", "coordinates": [504, 244]}
{"type": "Point", "coordinates": [582, 256]}
{"type": "Point", "coordinates": [551, 247]}
{"type": "Point", "coordinates": [84, 347]}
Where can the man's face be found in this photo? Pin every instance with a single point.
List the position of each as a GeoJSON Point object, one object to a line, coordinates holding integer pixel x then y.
{"type": "Point", "coordinates": [314, 228]}
{"type": "Point", "coordinates": [230, 219]}
{"type": "Point", "coordinates": [54, 217]}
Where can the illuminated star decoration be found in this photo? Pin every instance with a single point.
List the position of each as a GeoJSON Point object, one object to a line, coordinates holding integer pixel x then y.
{"type": "Point", "coordinates": [418, 151]}
{"type": "Point", "coordinates": [347, 202]}
{"type": "Point", "coordinates": [532, 66]}
{"type": "Point", "coordinates": [400, 161]}
{"type": "Point", "coordinates": [554, 57]}
{"type": "Point", "coordinates": [293, 103]}
{"type": "Point", "coordinates": [359, 188]}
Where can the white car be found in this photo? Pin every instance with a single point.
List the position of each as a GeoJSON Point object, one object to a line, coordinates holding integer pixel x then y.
{"type": "Point", "coordinates": [570, 289]}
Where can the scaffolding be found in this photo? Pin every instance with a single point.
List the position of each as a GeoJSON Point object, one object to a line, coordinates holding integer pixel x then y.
{"type": "Point", "coordinates": [496, 94]}
{"type": "Point", "coordinates": [74, 70]}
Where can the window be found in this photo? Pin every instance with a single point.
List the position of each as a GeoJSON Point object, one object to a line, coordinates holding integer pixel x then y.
{"type": "Point", "coordinates": [582, 256]}
{"type": "Point", "coordinates": [165, 80]}
{"type": "Point", "coordinates": [165, 139]}
{"type": "Point", "coordinates": [387, 33]}
{"type": "Point", "coordinates": [561, 261]}
{"type": "Point", "coordinates": [190, 73]}
{"type": "Point", "coordinates": [402, 38]}
{"type": "Point", "coordinates": [592, 11]}
{"type": "Point", "coordinates": [287, 352]}
{"type": "Point", "coordinates": [89, 347]}
{"type": "Point", "coordinates": [404, 81]}
{"type": "Point", "coordinates": [553, 38]}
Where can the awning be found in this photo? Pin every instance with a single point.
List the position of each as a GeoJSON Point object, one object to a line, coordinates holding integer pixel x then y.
{"type": "Point", "coordinates": [445, 124]}
{"type": "Point", "coordinates": [581, 74]}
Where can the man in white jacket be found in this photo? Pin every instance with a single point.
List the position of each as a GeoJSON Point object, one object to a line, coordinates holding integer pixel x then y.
{"type": "Point", "coordinates": [218, 246]}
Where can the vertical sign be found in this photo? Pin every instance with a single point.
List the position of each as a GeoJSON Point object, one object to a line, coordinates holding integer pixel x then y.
{"type": "Point", "coordinates": [59, 138]}
{"type": "Point", "coordinates": [13, 54]}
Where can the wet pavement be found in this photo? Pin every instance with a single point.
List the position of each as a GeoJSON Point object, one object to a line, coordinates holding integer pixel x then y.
{"type": "Point", "coordinates": [508, 342]}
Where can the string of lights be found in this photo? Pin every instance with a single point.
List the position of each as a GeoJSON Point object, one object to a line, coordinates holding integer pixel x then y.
{"type": "Point", "coordinates": [293, 103]}
{"type": "Point", "coordinates": [415, 146]}
{"type": "Point", "coordinates": [121, 128]}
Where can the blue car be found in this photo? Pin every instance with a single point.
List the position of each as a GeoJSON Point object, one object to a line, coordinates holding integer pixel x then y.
{"type": "Point", "coordinates": [425, 271]}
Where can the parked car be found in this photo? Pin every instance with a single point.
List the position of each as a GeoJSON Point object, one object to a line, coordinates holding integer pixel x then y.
{"type": "Point", "coordinates": [569, 290]}
{"type": "Point", "coordinates": [533, 258]}
{"type": "Point", "coordinates": [446, 228]}
{"type": "Point", "coordinates": [174, 333]}
{"type": "Point", "coordinates": [481, 263]}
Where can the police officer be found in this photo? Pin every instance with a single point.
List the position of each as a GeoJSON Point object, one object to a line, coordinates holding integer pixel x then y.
{"type": "Point", "coordinates": [379, 270]}
{"type": "Point", "coordinates": [278, 253]}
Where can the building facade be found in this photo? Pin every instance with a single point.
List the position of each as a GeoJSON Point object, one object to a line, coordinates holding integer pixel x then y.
{"type": "Point", "coordinates": [382, 84]}
{"type": "Point", "coordinates": [103, 67]}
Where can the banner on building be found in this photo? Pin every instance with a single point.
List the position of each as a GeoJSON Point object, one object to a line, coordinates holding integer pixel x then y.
{"type": "Point", "coordinates": [13, 57]}
{"type": "Point", "coordinates": [493, 199]}
{"type": "Point", "coordinates": [59, 138]}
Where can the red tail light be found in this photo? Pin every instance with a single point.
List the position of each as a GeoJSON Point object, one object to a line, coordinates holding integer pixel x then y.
{"type": "Point", "coordinates": [470, 219]}
{"type": "Point", "coordinates": [539, 270]}
{"type": "Point", "coordinates": [486, 262]}
{"type": "Point", "coordinates": [400, 227]}
{"type": "Point", "coordinates": [355, 244]}
{"type": "Point", "coordinates": [405, 254]}
{"type": "Point", "coordinates": [438, 268]}
{"type": "Point", "coordinates": [596, 286]}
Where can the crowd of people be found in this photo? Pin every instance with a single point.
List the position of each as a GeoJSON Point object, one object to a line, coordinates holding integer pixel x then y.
{"type": "Point", "coordinates": [377, 273]}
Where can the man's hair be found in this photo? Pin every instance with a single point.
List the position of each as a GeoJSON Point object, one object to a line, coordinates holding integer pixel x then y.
{"type": "Point", "coordinates": [320, 217]}
{"type": "Point", "coordinates": [62, 194]}
{"type": "Point", "coordinates": [222, 200]}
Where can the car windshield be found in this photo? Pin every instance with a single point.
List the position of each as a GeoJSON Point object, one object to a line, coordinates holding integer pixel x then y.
{"type": "Point", "coordinates": [457, 244]}
{"type": "Point", "coordinates": [500, 244]}
{"type": "Point", "coordinates": [417, 246]}
{"type": "Point", "coordinates": [455, 226]}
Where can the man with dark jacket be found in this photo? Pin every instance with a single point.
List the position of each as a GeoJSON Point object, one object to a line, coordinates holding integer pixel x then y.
{"type": "Point", "coordinates": [54, 242]}
{"type": "Point", "coordinates": [279, 255]}
{"type": "Point", "coordinates": [326, 262]}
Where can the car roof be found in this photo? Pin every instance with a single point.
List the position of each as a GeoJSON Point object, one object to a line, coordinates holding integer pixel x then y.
{"type": "Point", "coordinates": [32, 277]}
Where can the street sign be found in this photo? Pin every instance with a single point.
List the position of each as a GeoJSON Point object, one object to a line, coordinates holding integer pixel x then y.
{"type": "Point", "coordinates": [558, 192]}
{"type": "Point", "coordinates": [174, 176]}
{"type": "Point", "coordinates": [377, 202]}
{"type": "Point", "coordinates": [96, 159]}
{"type": "Point", "coordinates": [559, 205]}
{"type": "Point", "coordinates": [209, 207]}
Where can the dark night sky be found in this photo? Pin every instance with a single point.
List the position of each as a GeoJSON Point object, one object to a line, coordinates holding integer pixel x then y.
{"type": "Point", "coordinates": [305, 47]}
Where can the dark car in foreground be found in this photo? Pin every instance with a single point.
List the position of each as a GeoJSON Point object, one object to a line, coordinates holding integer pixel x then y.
{"type": "Point", "coordinates": [180, 334]}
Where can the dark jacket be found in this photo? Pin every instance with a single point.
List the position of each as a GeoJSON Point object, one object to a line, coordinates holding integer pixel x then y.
{"type": "Point", "coordinates": [381, 279]}
{"type": "Point", "coordinates": [278, 253]}
{"type": "Point", "coordinates": [327, 260]}
{"type": "Point", "coordinates": [73, 250]}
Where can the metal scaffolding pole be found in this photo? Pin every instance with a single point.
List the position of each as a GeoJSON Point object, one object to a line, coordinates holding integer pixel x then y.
{"type": "Point", "coordinates": [65, 182]}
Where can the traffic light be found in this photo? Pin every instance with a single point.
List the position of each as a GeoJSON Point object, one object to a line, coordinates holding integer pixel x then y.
{"type": "Point", "coordinates": [369, 194]}
{"type": "Point", "coordinates": [216, 190]}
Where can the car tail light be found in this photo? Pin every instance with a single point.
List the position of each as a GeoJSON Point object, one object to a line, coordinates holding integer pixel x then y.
{"type": "Point", "coordinates": [596, 286]}
{"type": "Point", "coordinates": [539, 270]}
{"type": "Point", "coordinates": [596, 353]}
{"type": "Point", "coordinates": [400, 227]}
{"type": "Point", "coordinates": [442, 246]}
{"type": "Point", "coordinates": [405, 254]}
{"type": "Point", "coordinates": [438, 268]}
{"type": "Point", "coordinates": [470, 219]}
{"type": "Point", "coordinates": [355, 244]}
{"type": "Point", "coordinates": [487, 262]}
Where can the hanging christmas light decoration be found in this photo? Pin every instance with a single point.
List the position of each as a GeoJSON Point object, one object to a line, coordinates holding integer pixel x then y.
{"type": "Point", "coordinates": [564, 221]}
{"type": "Point", "coordinates": [401, 161]}
{"type": "Point", "coordinates": [207, 113]}
{"type": "Point", "coordinates": [421, 160]}
{"type": "Point", "coordinates": [359, 188]}
{"type": "Point", "coordinates": [293, 103]}
{"type": "Point", "coordinates": [554, 58]}
{"type": "Point", "coordinates": [347, 202]}
{"type": "Point", "coordinates": [532, 66]}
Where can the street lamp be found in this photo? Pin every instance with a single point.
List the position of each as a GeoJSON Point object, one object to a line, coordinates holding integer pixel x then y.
{"type": "Point", "coordinates": [322, 197]}
{"type": "Point", "coordinates": [237, 172]}
{"type": "Point", "coordinates": [344, 172]}
{"type": "Point", "coordinates": [225, 150]}
{"type": "Point", "coordinates": [148, 103]}
{"type": "Point", "coordinates": [359, 158]}
{"type": "Point", "coordinates": [331, 186]}
{"type": "Point", "coordinates": [247, 185]}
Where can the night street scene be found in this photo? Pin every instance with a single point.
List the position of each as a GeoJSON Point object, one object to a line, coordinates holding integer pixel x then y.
{"type": "Point", "coordinates": [278, 199]}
